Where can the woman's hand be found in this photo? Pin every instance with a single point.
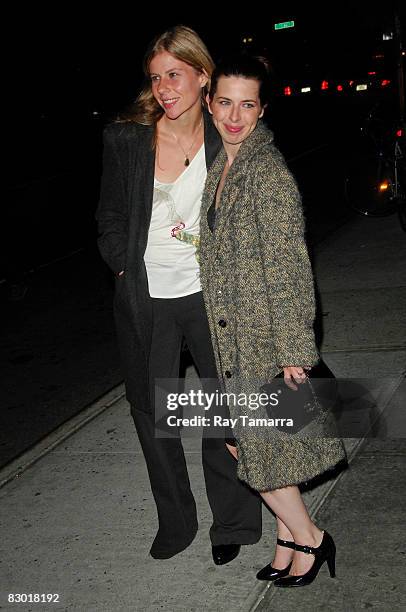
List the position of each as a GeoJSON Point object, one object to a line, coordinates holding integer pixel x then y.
{"type": "Point", "coordinates": [233, 450]}
{"type": "Point", "coordinates": [294, 373]}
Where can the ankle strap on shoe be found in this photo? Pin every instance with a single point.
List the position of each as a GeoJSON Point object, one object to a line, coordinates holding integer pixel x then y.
{"type": "Point", "coordinates": [286, 543]}
{"type": "Point", "coordinates": [309, 550]}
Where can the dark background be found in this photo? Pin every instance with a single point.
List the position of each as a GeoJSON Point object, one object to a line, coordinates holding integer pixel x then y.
{"type": "Point", "coordinates": [67, 60]}
{"type": "Point", "coordinates": [69, 70]}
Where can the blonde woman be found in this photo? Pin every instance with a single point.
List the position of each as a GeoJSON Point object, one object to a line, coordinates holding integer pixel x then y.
{"type": "Point", "coordinates": [155, 166]}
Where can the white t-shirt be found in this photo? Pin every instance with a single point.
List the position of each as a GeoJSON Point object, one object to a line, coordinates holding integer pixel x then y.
{"type": "Point", "coordinates": [172, 267]}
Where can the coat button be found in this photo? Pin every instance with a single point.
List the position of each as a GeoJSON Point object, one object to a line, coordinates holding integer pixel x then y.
{"type": "Point", "coordinates": [227, 374]}
{"type": "Point", "coordinates": [222, 323]}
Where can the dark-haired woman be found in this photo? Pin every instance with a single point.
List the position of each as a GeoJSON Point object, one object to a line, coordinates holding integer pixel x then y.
{"type": "Point", "coordinates": [258, 289]}
{"type": "Point", "coordinates": [155, 166]}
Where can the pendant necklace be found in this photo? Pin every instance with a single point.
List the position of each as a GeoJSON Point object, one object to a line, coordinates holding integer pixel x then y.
{"type": "Point", "coordinates": [186, 153]}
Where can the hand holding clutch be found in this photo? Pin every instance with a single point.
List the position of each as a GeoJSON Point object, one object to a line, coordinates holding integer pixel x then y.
{"type": "Point", "coordinates": [294, 373]}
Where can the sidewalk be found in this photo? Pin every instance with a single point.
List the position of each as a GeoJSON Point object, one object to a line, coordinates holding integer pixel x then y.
{"type": "Point", "coordinates": [365, 514]}
{"type": "Point", "coordinates": [80, 521]}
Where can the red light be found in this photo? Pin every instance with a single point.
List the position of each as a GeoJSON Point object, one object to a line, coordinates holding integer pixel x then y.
{"type": "Point", "coordinates": [287, 91]}
{"type": "Point", "coordinates": [340, 88]}
{"type": "Point", "coordinates": [324, 85]}
{"type": "Point", "coordinates": [399, 133]}
{"type": "Point", "coordinates": [385, 83]}
{"type": "Point", "coordinates": [350, 83]}
{"type": "Point", "coordinates": [371, 73]}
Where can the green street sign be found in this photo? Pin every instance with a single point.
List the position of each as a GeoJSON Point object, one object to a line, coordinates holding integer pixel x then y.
{"type": "Point", "coordinates": [283, 25]}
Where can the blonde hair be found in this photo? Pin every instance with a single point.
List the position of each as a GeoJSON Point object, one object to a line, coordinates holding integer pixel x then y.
{"type": "Point", "coordinates": [184, 44]}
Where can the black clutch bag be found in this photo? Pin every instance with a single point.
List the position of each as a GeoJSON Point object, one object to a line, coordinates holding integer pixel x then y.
{"type": "Point", "coordinates": [305, 408]}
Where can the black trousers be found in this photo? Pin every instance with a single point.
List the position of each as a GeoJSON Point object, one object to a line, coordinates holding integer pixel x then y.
{"type": "Point", "coordinates": [236, 508]}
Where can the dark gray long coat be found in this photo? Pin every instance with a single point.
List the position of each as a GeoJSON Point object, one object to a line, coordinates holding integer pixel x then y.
{"type": "Point", "coordinates": [258, 288]}
{"type": "Point", "coordinates": [124, 215]}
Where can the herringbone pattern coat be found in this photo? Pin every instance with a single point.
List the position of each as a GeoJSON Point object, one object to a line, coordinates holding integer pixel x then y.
{"type": "Point", "coordinates": [258, 288]}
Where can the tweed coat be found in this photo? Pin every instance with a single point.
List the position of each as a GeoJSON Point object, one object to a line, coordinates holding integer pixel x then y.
{"type": "Point", "coordinates": [258, 288]}
{"type": "Point", "coordinates": [124, 215]}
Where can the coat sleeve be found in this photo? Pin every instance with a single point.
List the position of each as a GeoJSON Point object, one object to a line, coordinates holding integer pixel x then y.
{"type": "Point", "coordinates": [286, 264]}
{"type": "Point", "coordinates": [112, 211]}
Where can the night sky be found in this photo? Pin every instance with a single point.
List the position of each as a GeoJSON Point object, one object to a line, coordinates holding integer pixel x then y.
{"type": "Point", "coordinates": [72, 60]}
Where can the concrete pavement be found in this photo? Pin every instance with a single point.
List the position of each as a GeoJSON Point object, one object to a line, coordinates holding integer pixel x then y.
{"type": "Point", "coordinates": [365, 514]}
{"type": "Point", "coordinates": [77, 512]}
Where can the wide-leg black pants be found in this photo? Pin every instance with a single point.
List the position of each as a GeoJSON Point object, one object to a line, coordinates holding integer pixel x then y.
{"type": "Point", "coordinates": [236, 509]}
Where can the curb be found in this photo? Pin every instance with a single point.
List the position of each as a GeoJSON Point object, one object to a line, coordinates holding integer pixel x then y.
{"type": "Point", "coordinates": [18, 466]}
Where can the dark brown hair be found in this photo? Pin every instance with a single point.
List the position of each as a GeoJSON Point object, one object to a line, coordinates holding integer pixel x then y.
{"type": "Point", "coordinates": [246, 66]}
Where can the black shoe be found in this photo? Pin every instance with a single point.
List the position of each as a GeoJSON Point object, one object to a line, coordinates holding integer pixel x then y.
{"type": "Point", "coordinates": [325, 552]}
{"type": "Point", "coordinates": [271, 573]}
{"type": "Point", "coordinates": [224, 553]}
{"type": "Point", "coordinates": [161, 550]}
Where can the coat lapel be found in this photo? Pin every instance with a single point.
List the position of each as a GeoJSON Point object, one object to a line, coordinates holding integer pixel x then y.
{"type": "Point", "coordinates": [147, 171]}
{"type": "Point", "coordinates": [235, 182]}
{"type": "Point", "coordinates": [212, 141]}
{"type": "Point", "coordinates": [213, 177]}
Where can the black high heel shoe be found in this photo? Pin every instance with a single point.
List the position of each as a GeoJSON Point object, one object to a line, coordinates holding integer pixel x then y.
{"type": "Point", "coordinates": [271, 573]}
{"type": "Point", "coordinates": [325, 552]}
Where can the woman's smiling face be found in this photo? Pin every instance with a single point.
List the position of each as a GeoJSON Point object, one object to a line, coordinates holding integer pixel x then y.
{"type": "Point", "coordinates": [176, 86]}
{"type": "Point", "coordinates": [236, 108]}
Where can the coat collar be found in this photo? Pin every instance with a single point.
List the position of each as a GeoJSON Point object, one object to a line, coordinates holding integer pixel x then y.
{"type": "Point", "coordinates": [261, 137]}
{"type": "Point", "coordinates": [212, 141]}
{"type": "Point", "coordinates": [256, 142]}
